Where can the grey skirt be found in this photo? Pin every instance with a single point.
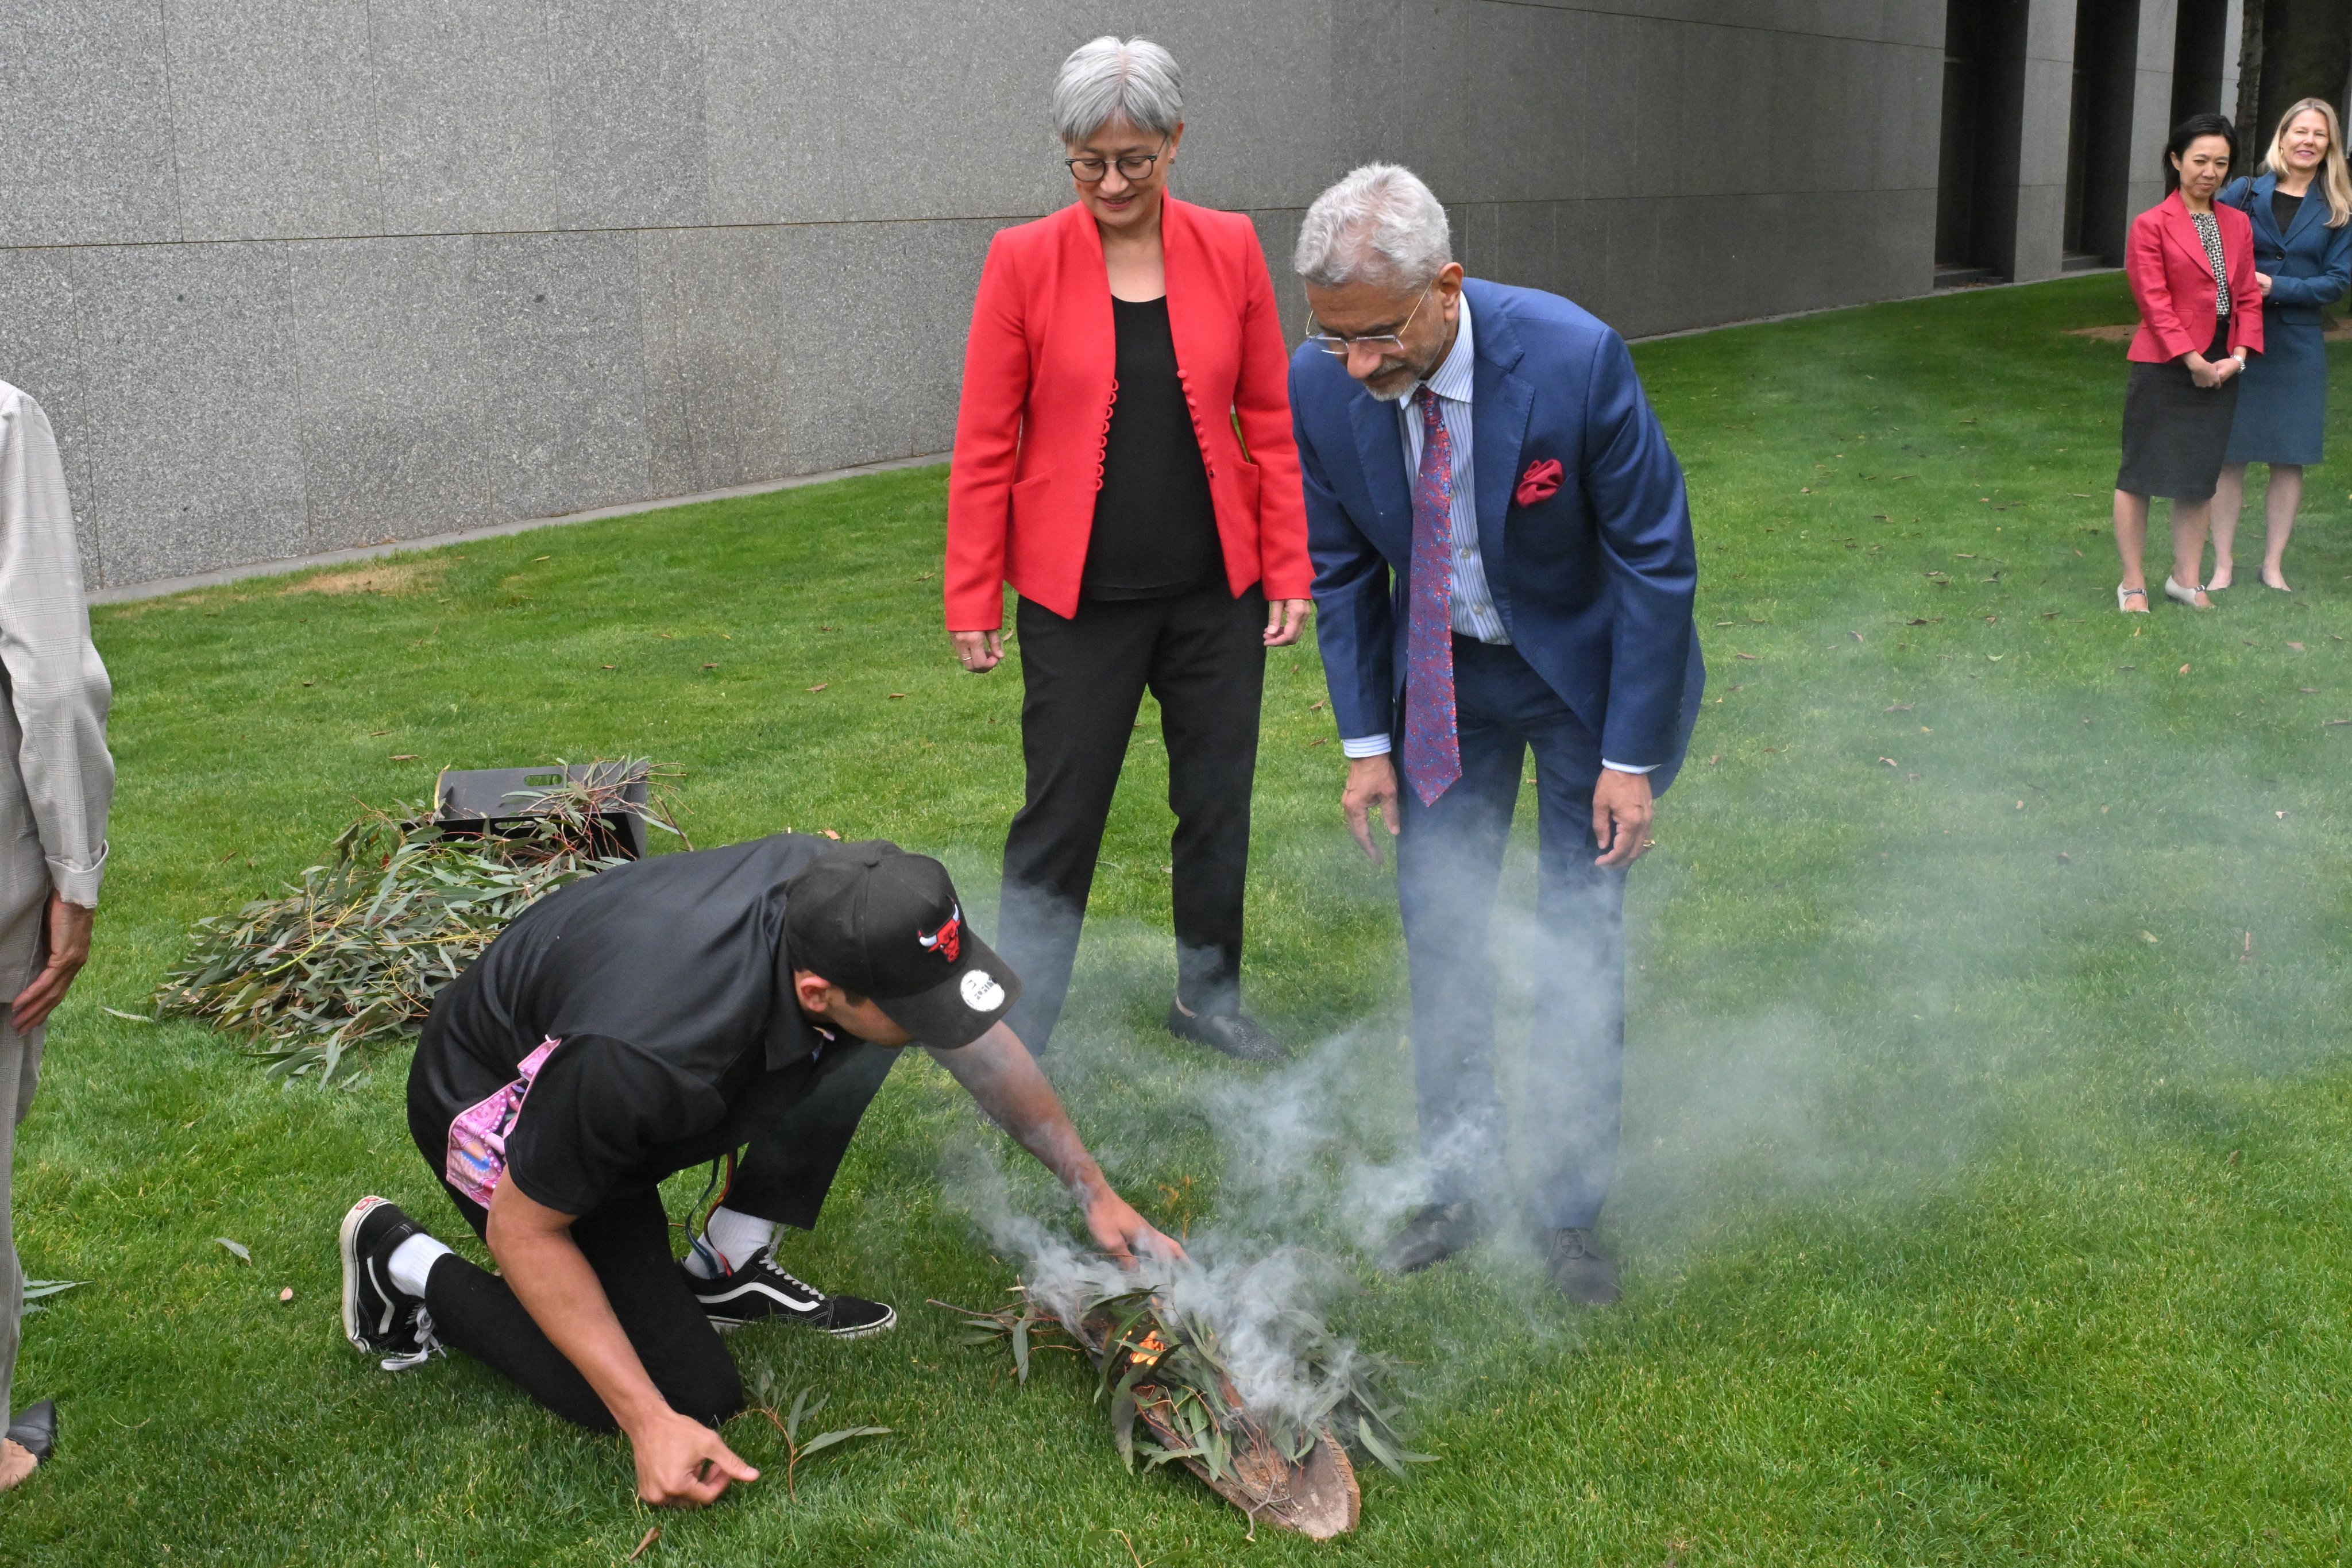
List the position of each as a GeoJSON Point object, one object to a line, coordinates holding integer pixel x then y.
{"type": "Point", "coordinates": [2176, 433]}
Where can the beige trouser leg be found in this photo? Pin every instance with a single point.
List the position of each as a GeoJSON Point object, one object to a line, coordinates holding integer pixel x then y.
{"type": "Point", "coordinates": [20, 1068]}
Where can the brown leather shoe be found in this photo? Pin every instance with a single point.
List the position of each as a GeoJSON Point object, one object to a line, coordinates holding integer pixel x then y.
{"type": "Point", "coordinates": [1580, 1271]}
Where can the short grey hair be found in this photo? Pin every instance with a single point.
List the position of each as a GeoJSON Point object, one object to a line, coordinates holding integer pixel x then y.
{"type": "Point", "coordinates": [1106, 79]}
{"type": "Point", "coordinates": [1380, 225]}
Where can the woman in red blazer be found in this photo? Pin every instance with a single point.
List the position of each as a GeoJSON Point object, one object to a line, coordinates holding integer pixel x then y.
{"type": "Point", "coordinates": [1124, 458]}
{"type": "Point", "coordinates": [2191, 265]}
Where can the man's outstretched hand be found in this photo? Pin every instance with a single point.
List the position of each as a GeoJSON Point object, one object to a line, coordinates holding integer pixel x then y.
{"type": "Point", "coordinates": [1622, 809]}
{"type": "Point", "coordinates": [1123, 1233]}
{"type": "Point", "coordinates": [1371, 787]}
{"type": "Point", "coordinates": [69, 951]}
{"type": "Point", "coordinates": [681, 1463]}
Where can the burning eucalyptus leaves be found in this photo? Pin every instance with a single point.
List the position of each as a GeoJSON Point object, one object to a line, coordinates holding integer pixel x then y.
{"type": "Point", "coordinates": [350, 961]}
{"type": "Point", "coordinates": [1163, 1368]}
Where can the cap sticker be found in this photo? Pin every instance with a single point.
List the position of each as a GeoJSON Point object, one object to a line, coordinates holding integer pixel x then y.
{"type": "Point", "coordinates": [947, 941]}
{"type": "Point", "coordinates": [981, 994]}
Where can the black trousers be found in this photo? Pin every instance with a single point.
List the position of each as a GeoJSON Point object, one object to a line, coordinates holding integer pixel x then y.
{"type": "Point", "coordinates": [783, 1175]}
{"type": "Point", "coordinates": [1202, 654]}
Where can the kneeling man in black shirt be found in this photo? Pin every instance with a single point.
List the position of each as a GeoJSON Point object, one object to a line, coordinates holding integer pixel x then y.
{"type": "Point", "coordinates": [647, 1020]}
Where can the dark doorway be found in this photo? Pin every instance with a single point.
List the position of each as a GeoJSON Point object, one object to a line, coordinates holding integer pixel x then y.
{"type": "Point", "coordinates": [1984, 105]}
{"type": "Point", "coordinates": [2098, 147]}
{"type": "Point", "coordinates": [2200, 49]}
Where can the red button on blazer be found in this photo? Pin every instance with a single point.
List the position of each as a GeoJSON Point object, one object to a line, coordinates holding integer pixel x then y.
{"type": "Point", "coordinates": [1037, 392]}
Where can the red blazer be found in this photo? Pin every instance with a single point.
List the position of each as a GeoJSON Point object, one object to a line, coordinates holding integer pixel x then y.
{"type": "Point", "coordinates": [2173, 282]}
{"type": "Point", "coordinates": [1037, 391]}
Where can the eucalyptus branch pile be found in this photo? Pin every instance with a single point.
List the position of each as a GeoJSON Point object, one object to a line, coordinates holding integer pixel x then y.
{"type": "Point", "coordinates": [350, 961]}
{"type": "Point", "coordinates": [1163, 1367]}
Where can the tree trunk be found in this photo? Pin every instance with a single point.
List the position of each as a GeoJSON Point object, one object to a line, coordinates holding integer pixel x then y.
{"type": "Point", "coordinates": [2304, 51]}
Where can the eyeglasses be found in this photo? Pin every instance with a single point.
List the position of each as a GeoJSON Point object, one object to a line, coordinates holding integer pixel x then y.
{"type": "Point", "coordinates": [1336, 346]}
{"type": "Point", "coordinates": [1132, 166]}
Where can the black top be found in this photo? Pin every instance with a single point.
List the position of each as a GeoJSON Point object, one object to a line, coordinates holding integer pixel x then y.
{"type": "Point", "coordinates": [667, 983]}
{"type": "Point", "coordinates": [2282, 210]}
{"type": "Point", "coordinates": [1155, 530]}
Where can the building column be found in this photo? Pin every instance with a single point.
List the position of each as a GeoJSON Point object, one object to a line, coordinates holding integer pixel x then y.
{"type": "Point", "coordinates": [2151, 109]}
{"type": "Point", "coordinates": [2046, 119]}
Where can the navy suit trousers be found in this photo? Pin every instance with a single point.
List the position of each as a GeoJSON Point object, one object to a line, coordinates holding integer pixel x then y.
{"type": "Point", "coordinates": [1569, 954]}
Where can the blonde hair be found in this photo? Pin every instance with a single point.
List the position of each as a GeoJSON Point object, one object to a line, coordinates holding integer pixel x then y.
{"type": "Point", "coordinates": [2333, 178]}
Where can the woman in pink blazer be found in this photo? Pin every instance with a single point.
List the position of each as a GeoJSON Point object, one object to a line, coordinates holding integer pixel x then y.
{"type": "Point", "coordinates": [1124, 459]}
{"type": "Point", "coordinates": [2191, 266]}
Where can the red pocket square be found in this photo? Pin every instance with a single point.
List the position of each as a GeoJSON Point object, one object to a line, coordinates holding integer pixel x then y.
{"type": "Point", "coordinates": [1540, 482]}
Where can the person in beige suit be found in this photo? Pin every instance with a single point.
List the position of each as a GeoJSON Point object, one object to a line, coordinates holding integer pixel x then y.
{"type": "Point", "coordinates": [56, 784]}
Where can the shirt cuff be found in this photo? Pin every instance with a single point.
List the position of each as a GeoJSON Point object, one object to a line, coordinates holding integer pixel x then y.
{"type": "Point", "coordinates": [78, 884]}
{"type": "Point", "coordinates": [1628, 767]}
{"type": "Point", "coordinates": [1366, 746]}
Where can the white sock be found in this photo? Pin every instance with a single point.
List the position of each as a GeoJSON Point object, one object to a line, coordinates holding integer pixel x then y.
{"type": "Point", "coordinates": [728, 1241]}
{"type": "Point", "coordinates": [412, 1261]}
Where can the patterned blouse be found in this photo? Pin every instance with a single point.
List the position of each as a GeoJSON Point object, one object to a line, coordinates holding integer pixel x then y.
{"type": "Point", "coordinates": [2209, 231]}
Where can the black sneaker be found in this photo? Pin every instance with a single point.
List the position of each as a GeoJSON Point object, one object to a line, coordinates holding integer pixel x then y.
{"type": "Point", "coordinates": [379, 1318]}
{"type": "Point", "coordinates": [760, 1290]}
{"type": "Point", "coordinates": [1237, 1034]}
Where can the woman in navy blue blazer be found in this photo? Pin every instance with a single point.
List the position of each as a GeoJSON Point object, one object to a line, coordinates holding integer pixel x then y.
{"type": "Point", "coordinates": [2302, 211]}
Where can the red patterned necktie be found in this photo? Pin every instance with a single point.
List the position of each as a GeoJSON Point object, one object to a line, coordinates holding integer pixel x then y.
{"type": "Point", "coordinates": [1433, 750]}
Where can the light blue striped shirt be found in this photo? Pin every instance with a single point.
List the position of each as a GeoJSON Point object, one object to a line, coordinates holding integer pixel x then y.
{"type": "Point", "coordinates": [1469, 599]}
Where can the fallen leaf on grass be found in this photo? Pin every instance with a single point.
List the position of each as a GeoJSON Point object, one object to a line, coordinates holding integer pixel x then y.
{"type": "Point", "coordinates": [287, 1294]}
{"type": "Point", "coordinates": [896, 696]}
{"type": "Point", "coordinates": [1855, 635]}
{"type": "Point", "coordinates": [2184, 670]}
{"type": "Point", "coordinates": [2147, 936]}
{"type": "Point", "coordinates": [1715, 759]}
{"type": "Point", "coordinates": [2331, 723]}
{"type": "Point", "coordinates": [820, 685]}
{"type": "Point", "coordinates": [1890, 763]}
{"type": "Point", "coordinates": [1749, 657]}
{"type": "Point", "coordinates": [711, 666]}
{"type": "Point", "coordinates": [608, 667]}
{"type": "Point", "coordinates": [537, 558]}
{"type": "Point", "coordinates": [2065, 858]}
{"type": "Point", "coordinates": [1901, 707]}
{"type": "Point", "coordinates": [403, 756]}
{"type": "Point", "coordinates": [1962, 555]}
{"type": "Point", "coordinates": [2308, 690]}
{"type": "Point", "coordinates": [1725, 622]}
{"type": "Point", "coordinates": [134, 1017]}
{"type": "Point", "coordinates": [374, 733]}
{"type": "Point", "coordinates": [1320, 741]}
{"type": "Point", "coordinates": [829, 833]}
{"type": "Point", "coordinates": [651, 1536]}
{"type": "Point", "coordinates": [2296, 646]}
{"type": "Point", "coordinates": [236, 1250]}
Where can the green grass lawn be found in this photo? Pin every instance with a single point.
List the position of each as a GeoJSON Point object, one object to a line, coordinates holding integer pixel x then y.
{"type": "Point", "coordinates": [1987, 1124]}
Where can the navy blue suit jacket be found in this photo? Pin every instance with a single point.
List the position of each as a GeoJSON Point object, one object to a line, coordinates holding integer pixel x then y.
{"type": "Point", "coordinates": [2311, 264]}
{"type": "Point", "coordinates": [1594, 583]}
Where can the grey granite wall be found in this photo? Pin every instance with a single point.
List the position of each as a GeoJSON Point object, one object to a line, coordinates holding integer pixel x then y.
{"type": "Point", "coordinates": [296, 274]}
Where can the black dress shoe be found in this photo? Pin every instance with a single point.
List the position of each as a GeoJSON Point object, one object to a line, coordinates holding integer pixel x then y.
{"type": "Point", "coordinates": [1433, 1235]}
{"type": "Point", "coordinates": [1236, 1034]}
{"type": "Point", "coordinates": [35, 1430]}
{"type": "Point", "coordinates": [1579, 1270]}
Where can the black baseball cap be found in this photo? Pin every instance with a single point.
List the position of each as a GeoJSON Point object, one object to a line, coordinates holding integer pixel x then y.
{"type": "Point", "coordinates": [883, 924]}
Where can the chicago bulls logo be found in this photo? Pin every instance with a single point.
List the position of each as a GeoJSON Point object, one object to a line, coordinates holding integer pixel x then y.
{"type": "Point", "coordinates": [947, 941]}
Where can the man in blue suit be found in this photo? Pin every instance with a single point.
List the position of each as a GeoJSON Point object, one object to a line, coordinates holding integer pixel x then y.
{"type": "Point", "coordinates": [1503, 563]}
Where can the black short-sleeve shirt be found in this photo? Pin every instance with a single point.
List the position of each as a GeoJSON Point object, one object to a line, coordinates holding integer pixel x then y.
{"type": "Point", "coordinates": [668, 986]}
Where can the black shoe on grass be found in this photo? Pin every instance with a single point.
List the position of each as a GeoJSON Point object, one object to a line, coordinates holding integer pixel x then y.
{"type": "Point", "coordinates": [1237, 1034]}
{"type": "Point", "coordinates": [35, 1430]}
{"type": "Point", "coordinates": [379, 1318]}
{"type": "Point", "coordinates": [1433, 1235]}
{"type": "Point", "coordinates": [759, 1291]}
{"type": "Point", "coordinates": [1580, 1270]}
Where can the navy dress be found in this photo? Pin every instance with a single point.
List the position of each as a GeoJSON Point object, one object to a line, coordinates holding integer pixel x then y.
{"type": "Point", "coordinates": [2282, 406]}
